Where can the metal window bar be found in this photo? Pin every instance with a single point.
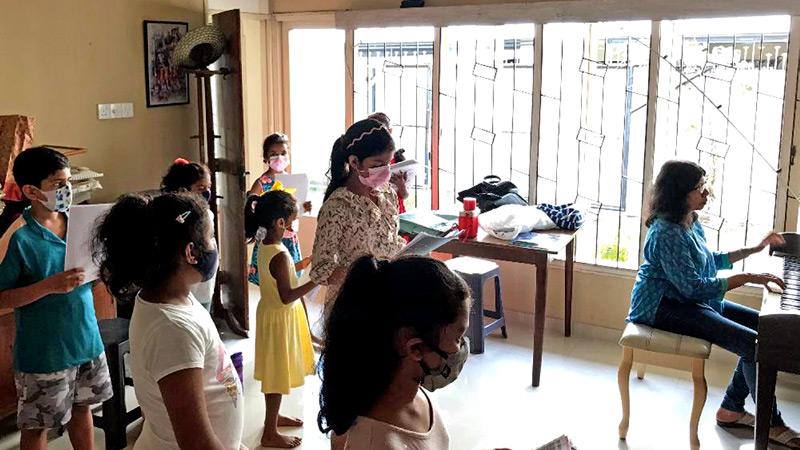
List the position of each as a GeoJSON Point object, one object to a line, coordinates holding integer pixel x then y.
{"type": "Point", "coordinates": [399, 61]}
{"type": "Point", "coordinates": [717, 151]}
{"type": "Point", "coordinates": [592, 143]}
{"type": "Point", "coordinates": [482, 133]}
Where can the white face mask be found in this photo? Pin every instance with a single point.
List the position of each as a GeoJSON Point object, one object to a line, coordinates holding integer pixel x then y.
{"type": "Point", "coordinates": [58, 200]}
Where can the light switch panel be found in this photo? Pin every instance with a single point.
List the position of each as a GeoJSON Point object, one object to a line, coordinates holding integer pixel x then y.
{"type": "Point", "coordinates": [114, 111]}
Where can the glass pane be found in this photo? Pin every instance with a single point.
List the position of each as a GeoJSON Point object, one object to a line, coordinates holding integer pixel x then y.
{"type": "Point", "coordinates": [317, 103]}
{"type": "Point", "coordinates": [485, 107]}
{"type": "Point", "coordinates": [393, 74]}
{"type": "Point", "coordinates": [720, 104]}
{"type": "Point", "coordinates": [592, 132]}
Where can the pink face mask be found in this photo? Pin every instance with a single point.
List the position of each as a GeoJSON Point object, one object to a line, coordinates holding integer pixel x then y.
{"type": "Point", "coordinates": [278, 163]}
{"type": "Point", "coordinates": [377, 177]}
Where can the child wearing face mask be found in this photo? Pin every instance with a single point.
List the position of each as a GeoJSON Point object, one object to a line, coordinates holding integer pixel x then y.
{"type": "Point", "coordinates": [60, 368]}
{"type": "Point", "coordinates": [359, 215]}
{"type": "Point", "coordinates": [156, 249]}
{"type": "Point", "coordinates": [284, 353]}
{"type": "Point", "coordinates": [185, 176]}
{"type": "Point", "coordinates": [276, 156]}
{"type": "Point", "coordinates": [408, 317]}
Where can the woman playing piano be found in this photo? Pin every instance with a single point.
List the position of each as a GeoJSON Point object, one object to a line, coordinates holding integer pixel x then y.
{"type": "Point", "coordinates": [677, 288]}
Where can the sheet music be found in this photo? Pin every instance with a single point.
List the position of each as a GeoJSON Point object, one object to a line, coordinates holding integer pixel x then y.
{"type": "Point", "coordinates": [80, 227]}
{"type": "Point", "coordinates": [424, 243]}
{"type": "Point", "coordinates": [298, 181]}
{"type": "Point", "coordinates": [560, 443]}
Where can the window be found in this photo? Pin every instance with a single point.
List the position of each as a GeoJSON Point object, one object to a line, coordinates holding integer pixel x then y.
{"type": "Point", "coordinates": [720, 104]}
{"type": "Point", "coordinates": [717, 99]}
{"type": "Point", "coordinates": [592, 132]}
{"type": "Point", "coordinates": [486, 82]}
{"type": "Point", "coordinates": [317, 103]}
{"type": "Point", "coordinates": [393, 74]}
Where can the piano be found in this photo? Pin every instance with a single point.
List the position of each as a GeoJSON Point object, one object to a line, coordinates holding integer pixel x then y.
{"type": "Point", "coordinates": [777, 346]}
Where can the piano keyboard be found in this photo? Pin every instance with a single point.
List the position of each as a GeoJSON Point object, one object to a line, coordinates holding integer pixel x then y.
{"type": "Point", "coordinates": [790, 299]}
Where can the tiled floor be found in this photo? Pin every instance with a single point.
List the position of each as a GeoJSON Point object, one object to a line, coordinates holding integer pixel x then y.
{"type": "Point", "coordinates": [493, 405]}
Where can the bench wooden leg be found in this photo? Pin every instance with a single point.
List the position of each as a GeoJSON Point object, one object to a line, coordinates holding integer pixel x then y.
{"type": "Point", "coordinates": [640, 370]}
{"type": "Point", "coordinates": [623, 379]}
{"type": "Point", "coordinates": [700, 392]}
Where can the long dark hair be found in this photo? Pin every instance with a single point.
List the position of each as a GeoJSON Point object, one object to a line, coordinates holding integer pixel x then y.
{"type": "Point", "coordinates": [363, 139]}
{"type": "Point", "coordinates": [377, 299]}
{"type": "Point", "coordinates": [263, 210]}
{"type": "Point", "coordinates": [182, 174]}
{"type": "Point", "coordinates": [139, 242]}
{"type": "Point", "coordinates": [673, 184]}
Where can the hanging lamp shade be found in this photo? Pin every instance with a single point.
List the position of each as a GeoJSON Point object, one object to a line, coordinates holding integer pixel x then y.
{"type": "Point", "coordinates": [199, 47]}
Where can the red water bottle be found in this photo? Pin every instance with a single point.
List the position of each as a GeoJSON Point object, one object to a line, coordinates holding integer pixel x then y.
{"type": "Point", "coordinates": [468, 218]}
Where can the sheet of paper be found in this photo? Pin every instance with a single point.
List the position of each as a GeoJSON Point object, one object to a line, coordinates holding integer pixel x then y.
{"type": "Point", "coordinates": [408, 165]}
{"type": "Point", "coordinates": [82, 219]}
{"type": "Point", "coordinates": [424, 243]}
{"type": "Point", "coordinates": [298, 181]}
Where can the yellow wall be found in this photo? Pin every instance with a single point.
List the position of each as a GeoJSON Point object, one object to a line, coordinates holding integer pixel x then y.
{"type": "Point", "coordinates": [61, 58]}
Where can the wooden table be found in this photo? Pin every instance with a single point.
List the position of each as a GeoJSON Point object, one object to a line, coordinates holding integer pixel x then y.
{"type": "Point", "coordinates": [487, 247]}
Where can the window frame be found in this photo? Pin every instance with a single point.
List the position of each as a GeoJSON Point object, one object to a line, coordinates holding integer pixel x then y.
{"type": "Point", "coordinates": [786, 211]}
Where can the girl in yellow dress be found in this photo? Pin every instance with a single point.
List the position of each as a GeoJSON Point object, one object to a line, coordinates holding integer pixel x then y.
{"type": "Point", "coordinates": [284, 355]}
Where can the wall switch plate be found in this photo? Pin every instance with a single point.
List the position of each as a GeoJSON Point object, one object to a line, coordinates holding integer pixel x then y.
{"type": "Point", "coordinates": [114, 111]}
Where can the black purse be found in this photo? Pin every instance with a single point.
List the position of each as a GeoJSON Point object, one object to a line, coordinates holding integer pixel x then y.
{"type": "Point", "coordinates": [493, 192]}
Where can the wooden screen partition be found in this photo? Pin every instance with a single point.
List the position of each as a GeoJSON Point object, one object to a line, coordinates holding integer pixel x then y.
{"type": "Point", "coordinates": [227, 163]}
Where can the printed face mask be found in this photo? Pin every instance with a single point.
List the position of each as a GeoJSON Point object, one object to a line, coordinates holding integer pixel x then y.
{"type": "Point", "coordinates": [376, 177]}
{"type": "Point", "coordinates": [278, 163]}
{"type": "Point", "coordinates": [449, 370]}
{"type": "Point", "coordinates": [59, 200]}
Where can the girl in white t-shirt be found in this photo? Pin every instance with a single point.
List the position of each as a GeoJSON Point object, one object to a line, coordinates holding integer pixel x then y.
{"type": "Point", "coordinates": [158, 249]}
{"type": "Point", "coordinates": [407, 317]}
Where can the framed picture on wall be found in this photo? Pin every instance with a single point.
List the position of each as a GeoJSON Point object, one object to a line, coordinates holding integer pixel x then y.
{"type": "Point", "coordinates": [165, 83]}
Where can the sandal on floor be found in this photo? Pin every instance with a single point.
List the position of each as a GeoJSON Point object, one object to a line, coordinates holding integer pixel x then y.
{"type": "Point", "coordinates": [746, 421]}
{"type": "Point", "coordinates": [788, 438]}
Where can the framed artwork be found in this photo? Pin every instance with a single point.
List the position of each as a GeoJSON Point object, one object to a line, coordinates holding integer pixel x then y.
{"type": "Point", "coordinates": [165, 83]}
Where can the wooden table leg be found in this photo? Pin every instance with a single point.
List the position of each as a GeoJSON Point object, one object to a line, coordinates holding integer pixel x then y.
{"type": "Point", "coordinates": [539, 316]}
{"type": "Point", "coordinates": [568, 267]}
{"type": "Point", "coordinates": [766, 375]}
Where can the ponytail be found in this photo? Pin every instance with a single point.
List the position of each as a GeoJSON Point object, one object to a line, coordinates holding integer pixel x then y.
{"type": "Point", "coordinates": [139, 242]}
{"type": "Point", "coordinates": [376, 301]}
{"type": "Point", "coordinates": [339, 169]}
{"type": "Point", "coordinates": [263, 210]}
{"type": "Point", "coordinates": [250, 222]}
{"type": "Point", "coordinates": [365, 138]}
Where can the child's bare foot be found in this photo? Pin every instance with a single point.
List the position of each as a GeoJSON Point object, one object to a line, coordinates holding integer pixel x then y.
{"type": "Point", "coordinates": [284, 421]}
{"type": "Point", "coordinates": [279, 441]}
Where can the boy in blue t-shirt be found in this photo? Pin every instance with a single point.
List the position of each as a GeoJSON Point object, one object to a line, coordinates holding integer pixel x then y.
{"type": "Point", "coordinates": [60, 368]}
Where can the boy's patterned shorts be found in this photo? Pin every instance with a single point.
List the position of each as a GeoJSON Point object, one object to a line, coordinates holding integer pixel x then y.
{"type": "Point", "coordinates": [45, 400]}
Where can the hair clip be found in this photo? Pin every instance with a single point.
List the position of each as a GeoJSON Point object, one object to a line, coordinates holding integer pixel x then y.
{"type": "Point", "coordinates": [181, 161]}
{"type": "Point", "coordinates": [365, 134]}
{"type": "Point", "coordinates": [182, 217]}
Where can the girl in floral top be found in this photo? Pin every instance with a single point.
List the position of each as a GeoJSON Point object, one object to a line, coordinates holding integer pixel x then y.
{"type": "Point", "coordinates": [276, 157]}
{"type": "Point", "coordinates": [359, 214]}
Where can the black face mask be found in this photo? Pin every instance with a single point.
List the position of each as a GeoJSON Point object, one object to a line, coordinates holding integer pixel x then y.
{"type": "Point", "coordinates": [207, 263]}
{"type": "Point", "coordinates": [206, 195]}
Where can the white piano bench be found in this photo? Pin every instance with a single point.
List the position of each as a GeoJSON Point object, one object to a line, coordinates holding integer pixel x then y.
{"type": "Point", "coordinates": [639, 339]}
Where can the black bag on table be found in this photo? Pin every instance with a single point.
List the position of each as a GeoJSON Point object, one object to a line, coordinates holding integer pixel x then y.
{"type": "Point", "coordinates": [493, 192]}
